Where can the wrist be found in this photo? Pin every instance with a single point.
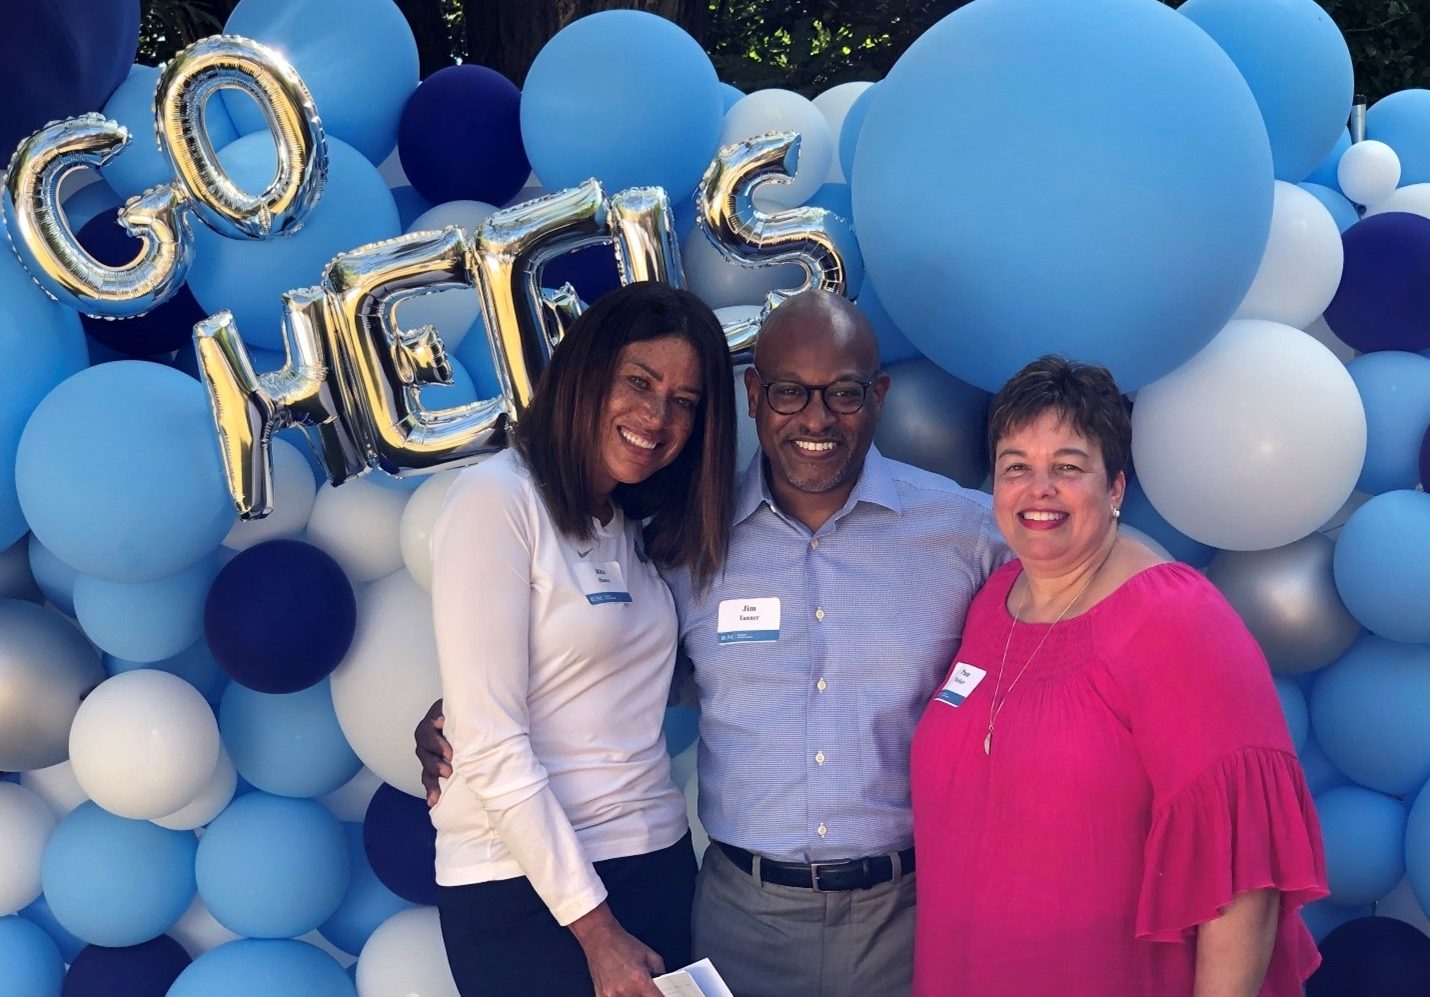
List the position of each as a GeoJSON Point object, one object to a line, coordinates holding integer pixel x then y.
{"type": "Point", "coordinates": [594, 926]}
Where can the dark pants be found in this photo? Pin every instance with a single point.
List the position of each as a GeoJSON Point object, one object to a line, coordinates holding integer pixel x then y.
{"type": "Point", "coordinates": [501, 940]}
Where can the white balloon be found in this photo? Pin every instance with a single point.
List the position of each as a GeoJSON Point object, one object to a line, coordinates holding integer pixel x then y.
{"type": "Point", "coordinates": [198, 930]}
{"type": "Point", "coordinates": [57, 786]}
{"type": "Point", "coordinates": [1326, 336]}
{"type": "Point", "coordinates": [358, 525]}
{"type": "Point", "coordinates": [294, 491]}
{"type": "Point", "coordinates": [1368, 172]}
{"type": "Point", "coordinates": [1301, 267]}
{"type": "Point", "coordinates": [389, 679]}
{"type": "Point", "coordinates": [451, 311]}
{"type": "Point", "coordinates": [1254, 442]}
{"type": "Point", "coordinates": [349, 801]}
{"type": "Point", "coordinates": [418, 518]}
{"type": "Point", "coordinates": [721, 283]}
{"type": "Point", "coordinates": [216, 794]}
{"type": "Point", "coordinates": [344, 959]}
{"type": "Point", "coordinates": [26, 823]}
{"type": "Point", "coordinates": [144, 744]}
{"type": "Point", "coordinates": [776, 111]}
{"type": "Point", "coordinates": [404, 957]}
{"type": "Point", "coordinates": [1413, 199]}
{"type": "Point", "coordinates": [392, 172]}
{"type": "Point", "coordinates": [834, 104]}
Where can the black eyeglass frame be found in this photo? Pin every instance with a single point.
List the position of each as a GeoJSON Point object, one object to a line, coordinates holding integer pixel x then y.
{"type": "Point", "coordinates": [810, 389]}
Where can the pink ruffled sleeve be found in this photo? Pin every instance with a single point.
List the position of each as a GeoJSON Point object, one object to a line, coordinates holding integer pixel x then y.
{"type": "Point", "coordinates": [1231, 811]}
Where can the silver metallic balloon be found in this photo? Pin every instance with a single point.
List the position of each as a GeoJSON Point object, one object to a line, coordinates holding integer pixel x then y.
{"type": "Point", "coordinates": [512, 247]}
{"type": "Point", "coordinates": [48, 248]}
{"type": "Point", "coordinates": [643, 231]}
{"type": "Point", "coordinates": [384, 367]}
{"type": "Point", "coordinates": [817, 239]}
{"type": "Point", "coordinates": [1287, 598]}
{"type": "Point", "coordinates": [46, 668]}
{"type": "Point", "coordinates": [195, 75]}
{"type": "Point", "coordinates": [933, 420]}
{"type": "Point", "coordinates": [560, 306]}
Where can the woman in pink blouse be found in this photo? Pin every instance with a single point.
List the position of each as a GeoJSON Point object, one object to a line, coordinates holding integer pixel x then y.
{"type": "Point", "coordinates": [1106, 800]}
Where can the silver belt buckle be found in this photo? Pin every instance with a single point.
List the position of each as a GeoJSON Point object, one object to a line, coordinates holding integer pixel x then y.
{"type": "Point", "coordinates": [814, 868]}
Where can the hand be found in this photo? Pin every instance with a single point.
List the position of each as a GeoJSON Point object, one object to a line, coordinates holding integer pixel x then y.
{"type": "Point", "coordinates": [621, 966]}
{"type": "Point", "coordinates": [434, 752]}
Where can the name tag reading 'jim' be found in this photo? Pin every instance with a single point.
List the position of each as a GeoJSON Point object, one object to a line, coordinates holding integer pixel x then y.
{"type": "Point", "coordinates": [743, 620]}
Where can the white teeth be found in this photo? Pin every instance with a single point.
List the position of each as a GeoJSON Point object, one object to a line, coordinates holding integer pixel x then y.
{"type": "Point", "coordinates": [815, 447]}
{"type": "Point", "coordinates": [1044, 517]}
{"type": "Point", "coordinates": [639, 441]}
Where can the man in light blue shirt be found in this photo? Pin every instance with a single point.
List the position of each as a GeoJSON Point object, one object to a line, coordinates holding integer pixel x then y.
{"type": "Point", "coordinates": [814, 653]}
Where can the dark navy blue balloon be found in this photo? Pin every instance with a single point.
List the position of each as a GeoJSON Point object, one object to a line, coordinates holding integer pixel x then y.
{"type": "Point", "coordinates": [1372, 957]}
{"type": "Point", "coordinates": [61, 58]}
{"type": "Point", "coordinates": [1384, 297]}
{"type": "Point", "coordinates": [164, 329]}
{"type": "Point", "coordinates": [280, 616]}
{"type": "Point", "coordinates": [144, 970]}
{"type": "Point", "coordinates": [591, 271]}
{"type": "Point", "coordinates": [401, 844]}
{"type": "Point", "coordinates": [460, 137]}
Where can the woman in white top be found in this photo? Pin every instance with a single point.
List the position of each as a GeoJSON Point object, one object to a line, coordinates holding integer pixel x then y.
{"type": "Point", "coordinates": [563, 850]}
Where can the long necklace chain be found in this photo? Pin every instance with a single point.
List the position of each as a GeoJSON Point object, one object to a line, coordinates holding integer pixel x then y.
{"type": "Point", "coordinates": [995, 707]}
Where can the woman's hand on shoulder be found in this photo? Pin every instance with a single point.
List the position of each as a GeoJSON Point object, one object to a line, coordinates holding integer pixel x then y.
{"type": "Point", "coordinates": [621, 965]}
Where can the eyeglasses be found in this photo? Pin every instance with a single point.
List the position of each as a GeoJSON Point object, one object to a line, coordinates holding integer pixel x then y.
{"type": "Point", "coordinates": [843, 397]}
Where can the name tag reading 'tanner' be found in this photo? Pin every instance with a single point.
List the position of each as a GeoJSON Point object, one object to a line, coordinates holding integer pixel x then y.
{"type": "Point", "coordinates": [603, 582]}
{"type": "Point", "coordinates": [961, 683]}
{"type": "Point", "coordinates": [743, 620]}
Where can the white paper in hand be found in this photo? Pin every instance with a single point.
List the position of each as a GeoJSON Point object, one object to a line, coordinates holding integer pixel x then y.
{"type": "Point", "coordinates": [699, 979]}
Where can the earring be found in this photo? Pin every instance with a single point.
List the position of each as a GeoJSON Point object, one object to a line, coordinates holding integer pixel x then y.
{"type": "Point", "coordinates": [1116, 512]}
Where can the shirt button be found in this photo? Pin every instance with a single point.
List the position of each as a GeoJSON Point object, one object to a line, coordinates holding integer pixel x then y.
{"type": "Point", "coordinates": [819, 614]}
{"type": "Point", "coordinates": [819, 757]}
{"type": "Point", "coordinates": [814, 545]}
{"type": "Point", "coordinates": [822, 830]}
{"type": "Point", "coordinates": [821, 685]}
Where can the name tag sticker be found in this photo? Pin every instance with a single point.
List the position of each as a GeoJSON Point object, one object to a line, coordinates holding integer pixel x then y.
{"type": "Point", "coordinates": [603, 582]}
{"type": "Point", "coordinates": [743, 620]}
{"type": "Point", "coordinates": [961, 683]}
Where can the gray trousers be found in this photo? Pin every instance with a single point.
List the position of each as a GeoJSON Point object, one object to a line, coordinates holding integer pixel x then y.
{"type": "Point", "coordinates": [781, 941]}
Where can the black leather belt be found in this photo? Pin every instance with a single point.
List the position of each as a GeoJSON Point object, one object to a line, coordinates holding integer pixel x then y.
{"type": "Point", "coordinates": [823, 877]}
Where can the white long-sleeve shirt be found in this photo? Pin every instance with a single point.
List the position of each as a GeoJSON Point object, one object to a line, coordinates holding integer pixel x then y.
{"type": "Point", "coordinates": [556, 661]}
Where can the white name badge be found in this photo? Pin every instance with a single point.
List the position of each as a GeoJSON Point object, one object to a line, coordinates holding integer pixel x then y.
{"type": "Point", "coordinates": [961, 683]}
{"type": "Point", "coordinates": [603, 582]}
{"type": "Point", "coordinates": [744, 620]}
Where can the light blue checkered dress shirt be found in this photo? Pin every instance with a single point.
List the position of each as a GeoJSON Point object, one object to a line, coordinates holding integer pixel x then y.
{"type": "Point", "coordinates": [804, 741]}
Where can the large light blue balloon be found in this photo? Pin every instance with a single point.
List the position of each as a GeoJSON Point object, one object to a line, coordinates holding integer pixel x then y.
{"type": "Point", "coordinates": [1394, 386]}
{"type": "Point", "coordinates": [55, 578]}
{"type": "Point", "coordinates": [1402, 121]}
{"type": "Point", "coordinates": [1328, 173]}
{"type": "Point", "coordinates": [114, 881]}
{"type": "Point", "coordinates": [41, 344]}
{"type": "Point", "coordinates": [149, 621]}
{"type": "Point", "coordinates": [118, 473]}
{"type": "Point", "coordinates": [1321, 773]}
{"type": "Point", "coordinates": [288, 745]}
{"type": "Point", "coordinates": [366, 904]}
{"type": "Point", "coordinates": [249, 277]}
{"type": "Point", "coordinates": [1101, 189]}
{"type": "Point", "coordinates": [894, 346]}
{"type": "Point", "coordinates": [141, 165]}
{"type": "Point", "coordinates": [1296, 62]}
{"type": "Point", "coordinates": [253, 967]}
{"type": "Point", "coordinates": [30, 963]}
{"type": "Point", "coordinates": [1382, 566]}
{"type": "Point", "coordinates": [272, 867]}
{"type": "Point", "coordinates": [357, 57]}
{"type": "Point", "coordinates": [626, 97]}
{"type": "Point", "coordinates": [1368, 711]}
{"type": "Point", "coordinates": [1364, 835]}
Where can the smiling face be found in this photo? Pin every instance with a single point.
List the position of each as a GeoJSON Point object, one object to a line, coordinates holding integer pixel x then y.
{"type": "Point", "coordinates": [1051, 497]}
{"type": "Point", "coordinates": [649, 413]}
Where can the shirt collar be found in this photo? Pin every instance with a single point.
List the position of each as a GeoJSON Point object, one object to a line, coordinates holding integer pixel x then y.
{"type": "Point", "coordinates": [876, 485]}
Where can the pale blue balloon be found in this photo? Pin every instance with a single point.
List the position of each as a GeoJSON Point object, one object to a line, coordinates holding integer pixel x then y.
{"type": "Point", "coordinates": [1394, 387]}
{"type": "Point", "coordinates": [288, 745]}
{"type": "Point", "coordinates": [248, 277]}
{"type": "Point", "coordinates": [39, 912]}
{"type": "Point", "coordinates": [1342, 210]}
{"type": "Point", "coordinates": [1382, 569]}
{"type": "Point", "coordinates": [1102, 189]}
{"type": "Point", "coordinates": [366, 904]}
{"type": "Point", "coordinates": [141, 165]}
{"type": "Point", "coordinates": [850, 129]}
{"type": "Point", "coordinates": [1328, 173]}
{"type": "Point", "coordinates": [1296, 62]}
{"type": "Point", "coordinates": [1402, 121]}
{"type": "Point", "coordinates": [91, 200]}
{"type": "Point", "coordinates": [1293, 706]}
{"type": "Point", "coordinates": [253, 967]}
{"type": "Point", "coordinates": [730, 95]}
{"type": "Point", "coordinates": [1364, 835]}
{"type": "Point", "coordinates": [1368, 711]}
{"type": "Point", "coordinates": [195, 664]}
{"type": "Point", "coordinates": [894, 346]}
{"type": "Point", "coordinates": [357, 57]}
{"type": "Point", "coordinates": [114, 881]}
{"type": "Point", "coordinates": [30, 963]}
{"type": "Point", "coordinates": [272, 867]}
{"type": "Point", "coordinates": [1321, 773]}
{"type": "Point", "coordinates": [149, 621]}
{"type": "Point", "coordinates": [55, 578]}
{"type": "Point", "coordinates": [118, 473]}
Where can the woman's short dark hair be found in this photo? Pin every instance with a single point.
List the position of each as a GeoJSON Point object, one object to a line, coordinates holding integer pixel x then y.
{"type": "Point", "coordinates": [687, 501]}
{"type": "Point", "coordinates": [1083, 394]}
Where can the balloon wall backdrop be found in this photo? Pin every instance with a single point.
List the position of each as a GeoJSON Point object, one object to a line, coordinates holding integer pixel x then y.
{"type": "Point", "coordinates": [303, 286]}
